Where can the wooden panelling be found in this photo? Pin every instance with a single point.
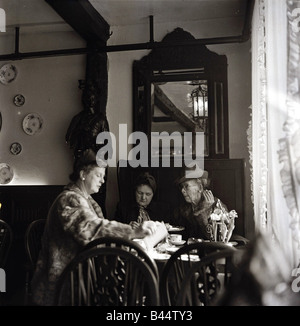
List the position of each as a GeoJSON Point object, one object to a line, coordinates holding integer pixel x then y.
{"type": "Point", "coordinates": [24, 204]}
{"type": "Point", "coordinates": [227, 183]}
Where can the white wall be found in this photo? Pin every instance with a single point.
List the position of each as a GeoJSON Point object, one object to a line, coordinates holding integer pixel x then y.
{"type": "Point", "coordinates": [50, 88]}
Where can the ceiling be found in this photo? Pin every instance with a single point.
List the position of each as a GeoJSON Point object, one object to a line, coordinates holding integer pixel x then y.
{"type": "Point", "coordinates": [37, 13]}
{"type": "Point", "coordinates": [126, 12]}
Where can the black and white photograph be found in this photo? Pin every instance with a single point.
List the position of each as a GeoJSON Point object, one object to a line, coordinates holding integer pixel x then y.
{"type": "Point", "coordinates": [149, 156]}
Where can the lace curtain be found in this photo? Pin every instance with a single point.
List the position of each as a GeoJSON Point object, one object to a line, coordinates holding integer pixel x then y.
{"type": "Point", "coordinates": [274, 132]}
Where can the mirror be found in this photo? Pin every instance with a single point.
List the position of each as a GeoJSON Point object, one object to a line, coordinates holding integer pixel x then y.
{"type": "Point", "coordinates": [180, 106]}
{"type": "Point", "coordinates": [182, 89]}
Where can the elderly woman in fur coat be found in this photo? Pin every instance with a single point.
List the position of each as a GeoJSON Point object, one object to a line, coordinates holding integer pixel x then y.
{"type": "Point", "coordinates": [74, 220]}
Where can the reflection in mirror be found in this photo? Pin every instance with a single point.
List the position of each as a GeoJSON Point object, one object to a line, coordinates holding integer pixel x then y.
{"type": "Point", "coordinates": [180, 106]}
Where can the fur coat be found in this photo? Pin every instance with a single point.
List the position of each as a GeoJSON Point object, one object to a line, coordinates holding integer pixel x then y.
{"type": "Point", "coordinates": [72, 222]}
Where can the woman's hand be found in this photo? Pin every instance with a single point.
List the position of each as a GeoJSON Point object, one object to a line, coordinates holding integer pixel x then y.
{"type": "Point", "coordinates": [135, 225]}
{"type": "Point", "coordinates": [209, 198]}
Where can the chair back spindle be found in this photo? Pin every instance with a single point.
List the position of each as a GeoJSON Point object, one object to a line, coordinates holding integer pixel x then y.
{"type": "Point", "coordinates": [180, 262]}
{"type": "Point", "coordinates": [107, 276]}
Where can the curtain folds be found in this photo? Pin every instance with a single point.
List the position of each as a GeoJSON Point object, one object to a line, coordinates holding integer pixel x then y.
{"type": "Point", "coordinates": [289, 154]}
{"type": "Point", "coordinates": [274, 136]}
{"type": "Point", "coordinates": [258, 143]}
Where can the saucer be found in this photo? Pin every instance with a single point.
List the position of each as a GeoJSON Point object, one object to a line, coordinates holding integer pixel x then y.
{"type": "Point", "coordinates": [178, 243]}
{"type": "Point", "coordinates": [171, 250]}
{"type": "Point", "coordinates": [159, 256]}
{"type": "Point", "coordinates": [231, 244]}
{"type": "Point", "coordinates": [175, 228]}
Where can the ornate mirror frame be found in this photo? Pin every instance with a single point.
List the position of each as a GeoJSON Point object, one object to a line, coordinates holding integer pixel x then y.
{"type": "Point", "coordinates": [186, 62]}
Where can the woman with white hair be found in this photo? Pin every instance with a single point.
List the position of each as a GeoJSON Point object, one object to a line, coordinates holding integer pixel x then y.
{"type": "Point", "coordinates": [200, 207]}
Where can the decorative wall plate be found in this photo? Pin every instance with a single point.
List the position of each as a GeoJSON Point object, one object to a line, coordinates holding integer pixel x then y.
{"type": "Point", "coordinates": [6, 173]}
{"type": "Point", "coordinates": [15, 148]}
{"type": "Point", "coordinates": [32, 123]}
{"type": "Point", "coordinates": [19, 100]}
{"type": "Point", "coordinates": [8, 73]}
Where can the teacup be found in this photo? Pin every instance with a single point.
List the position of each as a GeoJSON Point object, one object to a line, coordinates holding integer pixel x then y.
{"type": "Point", "coordinates": [175, 237]}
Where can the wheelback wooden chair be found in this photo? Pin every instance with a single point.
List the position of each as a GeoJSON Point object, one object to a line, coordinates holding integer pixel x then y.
{"type": "Point", "coordinates": [207, 279]}
{"type": "Point", "coordinates": [180, 262]}
{"type": "Point", "coordinates": [107, 276]}
{"type": "Point", "coordinates": [130, 245]}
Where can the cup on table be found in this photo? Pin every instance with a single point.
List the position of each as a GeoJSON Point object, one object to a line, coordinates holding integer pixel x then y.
{"type": "Point", "coordinates": [175, 237]}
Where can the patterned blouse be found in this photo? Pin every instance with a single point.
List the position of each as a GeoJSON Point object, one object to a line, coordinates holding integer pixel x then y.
{"type": "Point", "coordinates": [72, 222]}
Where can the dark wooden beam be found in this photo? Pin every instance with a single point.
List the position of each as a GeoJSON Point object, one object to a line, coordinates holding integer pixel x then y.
{"type": "Point", "coordinates": [83, 18]}
{"type": "Point", "coordinates": [162, 101]}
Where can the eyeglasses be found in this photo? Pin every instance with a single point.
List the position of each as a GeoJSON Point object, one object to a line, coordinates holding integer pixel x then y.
{"type": "Point", "coordinates": [187, 186]}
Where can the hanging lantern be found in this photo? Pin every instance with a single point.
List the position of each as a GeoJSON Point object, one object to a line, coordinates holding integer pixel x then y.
{"type": "Point", "coordinates": [200, 105]}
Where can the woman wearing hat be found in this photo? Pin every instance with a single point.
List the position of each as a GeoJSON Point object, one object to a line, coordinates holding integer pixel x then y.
{"type": "Point", "coordinates": [143, 208]}
{"type": "Point", "coordinates": [74, 220]}
{"type": "Point", "coordinates": [199, 203]}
